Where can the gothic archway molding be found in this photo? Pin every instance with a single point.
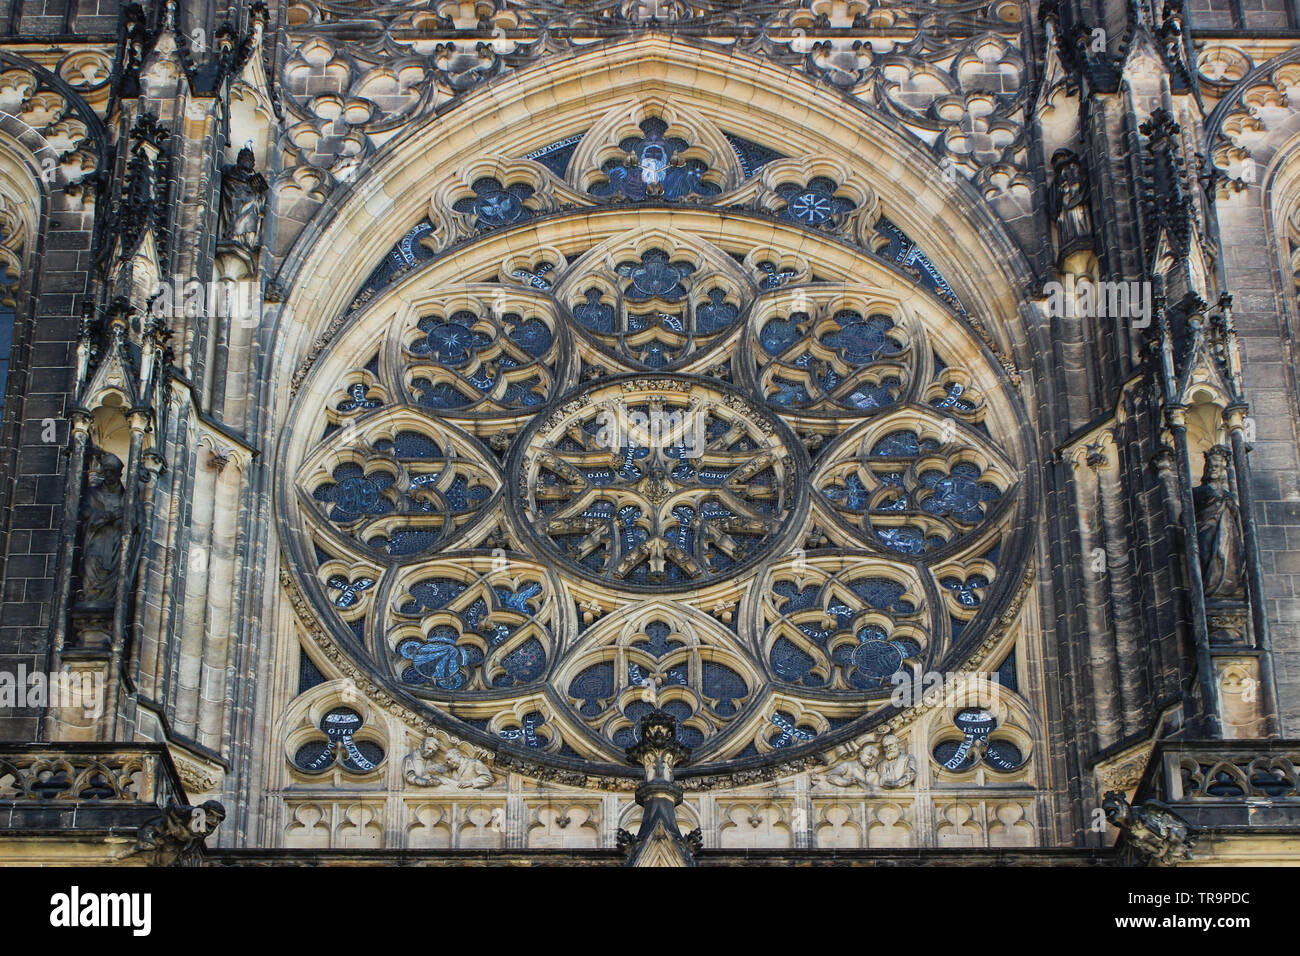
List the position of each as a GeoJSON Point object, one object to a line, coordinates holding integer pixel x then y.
{"type": "Point", "coordinates": [541, 105]}
{"type": "Point", "coordinates": [473, 539]}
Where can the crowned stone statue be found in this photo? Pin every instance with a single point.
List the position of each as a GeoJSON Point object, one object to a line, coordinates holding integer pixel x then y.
{"type": "Point", "coordinates": [1218, 527]}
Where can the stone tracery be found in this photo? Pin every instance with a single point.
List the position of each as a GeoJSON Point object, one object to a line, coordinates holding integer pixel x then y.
{"type": "Point", "coordinates": [570, 480]}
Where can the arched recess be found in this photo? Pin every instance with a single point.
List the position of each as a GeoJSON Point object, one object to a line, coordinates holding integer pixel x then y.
{"type": "Point", "coordinates": [50, 139]}
{"type": "Point", "coordinates": [545, 104]}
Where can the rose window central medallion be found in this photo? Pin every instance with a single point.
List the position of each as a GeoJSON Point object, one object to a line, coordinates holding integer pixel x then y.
{"type": "Point", "coordinates": [654, 482]}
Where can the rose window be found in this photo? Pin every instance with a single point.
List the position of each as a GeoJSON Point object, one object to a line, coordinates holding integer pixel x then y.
{"type": "Point", "coordinates": [579, 465]}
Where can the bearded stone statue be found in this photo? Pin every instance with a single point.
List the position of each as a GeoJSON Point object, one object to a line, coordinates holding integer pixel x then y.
{"type": "Point", "coordinates": [243, 199]}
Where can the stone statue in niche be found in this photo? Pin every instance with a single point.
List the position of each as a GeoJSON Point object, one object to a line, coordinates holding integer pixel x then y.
{"type": "Point", "coordinates": [102, 515]}
{"type": "Point", "coordinates": [1070, 201]}
{"type": "Point", "coordinates": [243, 200]}
{"type": "Point", "coordinates": [442, 761]}
{"type": "Point", "coordinates": [1218, 528]}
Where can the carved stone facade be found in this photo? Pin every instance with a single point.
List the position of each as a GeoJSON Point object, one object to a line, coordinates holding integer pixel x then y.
{"type": "Point", "coordinates": [651, 431]}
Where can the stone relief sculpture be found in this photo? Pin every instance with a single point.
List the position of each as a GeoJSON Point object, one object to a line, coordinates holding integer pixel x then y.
{"type": "Point", "coordinates": [442, 761]}
{"type": "Point", "coordinates": [1218, 528]}
{"type": "Point", "coordinates": [882, 764]}
{"type": "Point", "coordinates": [859, 771]}
{"type": "Point", "coordinates": [102, 514]}
{"type": "Point", "coordinates": [243, 200]}
{"type": "Point", "coordinates": [1070, 201]}
{"type": "Point", "coordinates": [897, 769]}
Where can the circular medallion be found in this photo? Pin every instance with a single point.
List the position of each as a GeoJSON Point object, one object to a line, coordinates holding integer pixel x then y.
{"type": "Point", "coordinates": [658, 482]}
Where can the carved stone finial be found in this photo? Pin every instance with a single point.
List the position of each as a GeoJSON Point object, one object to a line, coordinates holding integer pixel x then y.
{"type": "Point", "coordinates": [659, 842]}
{"type": "Point", "coordinates": [1153, 830]}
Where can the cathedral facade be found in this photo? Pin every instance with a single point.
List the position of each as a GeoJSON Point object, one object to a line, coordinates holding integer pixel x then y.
{"type": "Point", "coordinates": [657, 433]}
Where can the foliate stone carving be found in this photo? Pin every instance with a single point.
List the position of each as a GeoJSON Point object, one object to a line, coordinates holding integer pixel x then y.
{"type": "Point", "coordinates": [1153, 829]}
{"type": "Point", "coordinates": [954, 79]}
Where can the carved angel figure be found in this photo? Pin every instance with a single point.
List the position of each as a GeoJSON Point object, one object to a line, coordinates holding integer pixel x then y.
{"type": "Point", "coordinates": [441, 760]}
{"type": "Point", "coordinates": [1154, 829]}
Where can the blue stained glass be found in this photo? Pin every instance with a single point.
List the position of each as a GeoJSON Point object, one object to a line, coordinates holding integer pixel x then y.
{"type": "Point", "coordinates": [725, 686]}
{"type": "Point", "coordinates": [437, 659]}
{"type": "Point", "coordinates": [861, 340]}
{"type": "Point", "coordinates": [960, 493]}
{"type": "Point", "coordinates": [852, 495]}
{"type": "Point", "coordinates": [656, 642]}
{"type": "Point", "coordinates": [406, 541]}
{"type": "Point", "coordinates": [814, 204]}
{"type": "Point", "coordinates": [790, 734]}
{"type": "Point", "coordinates": [654, 168]}
{"type": "Point", "coordinates": [752, 156]}
{"type": "Point", "coordinates": [774, 278]}
{"type": "Point", "coordinates": [526, 733]}
{"type": "Point", "coordinates": [792, 664]}
{"type": "Point", "coordinates": [533, 336]}
{"type": "Point", "coordinates": [556, 156]}
{"type": "Point", "coordinates": [779, 334]}
{"type": "Point", "coordinates": [354, 494]}
{"type": "Point", "coordinates": [411, 445]}
{"type": "Point", "coordinates": [592, 688]}
{"type": "Point", "coordinates": [494, 205]}
{"type": "Point", "coordinates": [904, 540]}
{"type": "Point", "coordinates": [717, 314]}
{"type": "Point", "coordinates": [966, 591]}
{"type": "Point", "coordinates": [594, 314]}
{"type": "Point", "coordinates": [520, 600]}
{"type": "Point", "coordinates": [449, 341]}
{"type": "Point", "coordinates": [883, 594]}
{"type": "Point", "coordinates": [655, 277]}
{"type": "Point", "coordinates": [873, 661]}
{"type": "Point", "coordinates": [796, 599]}
{"type": "Point", "coordinates": [442, 395]}
{"type": "Point", "coordinates": [523, 664]}
{"type": "Point", "coordinates": [900, 444]}
{"type": "Point", "coordinates": [432, 594]}
{"type": "Point", "coordinates": [349, 591]}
